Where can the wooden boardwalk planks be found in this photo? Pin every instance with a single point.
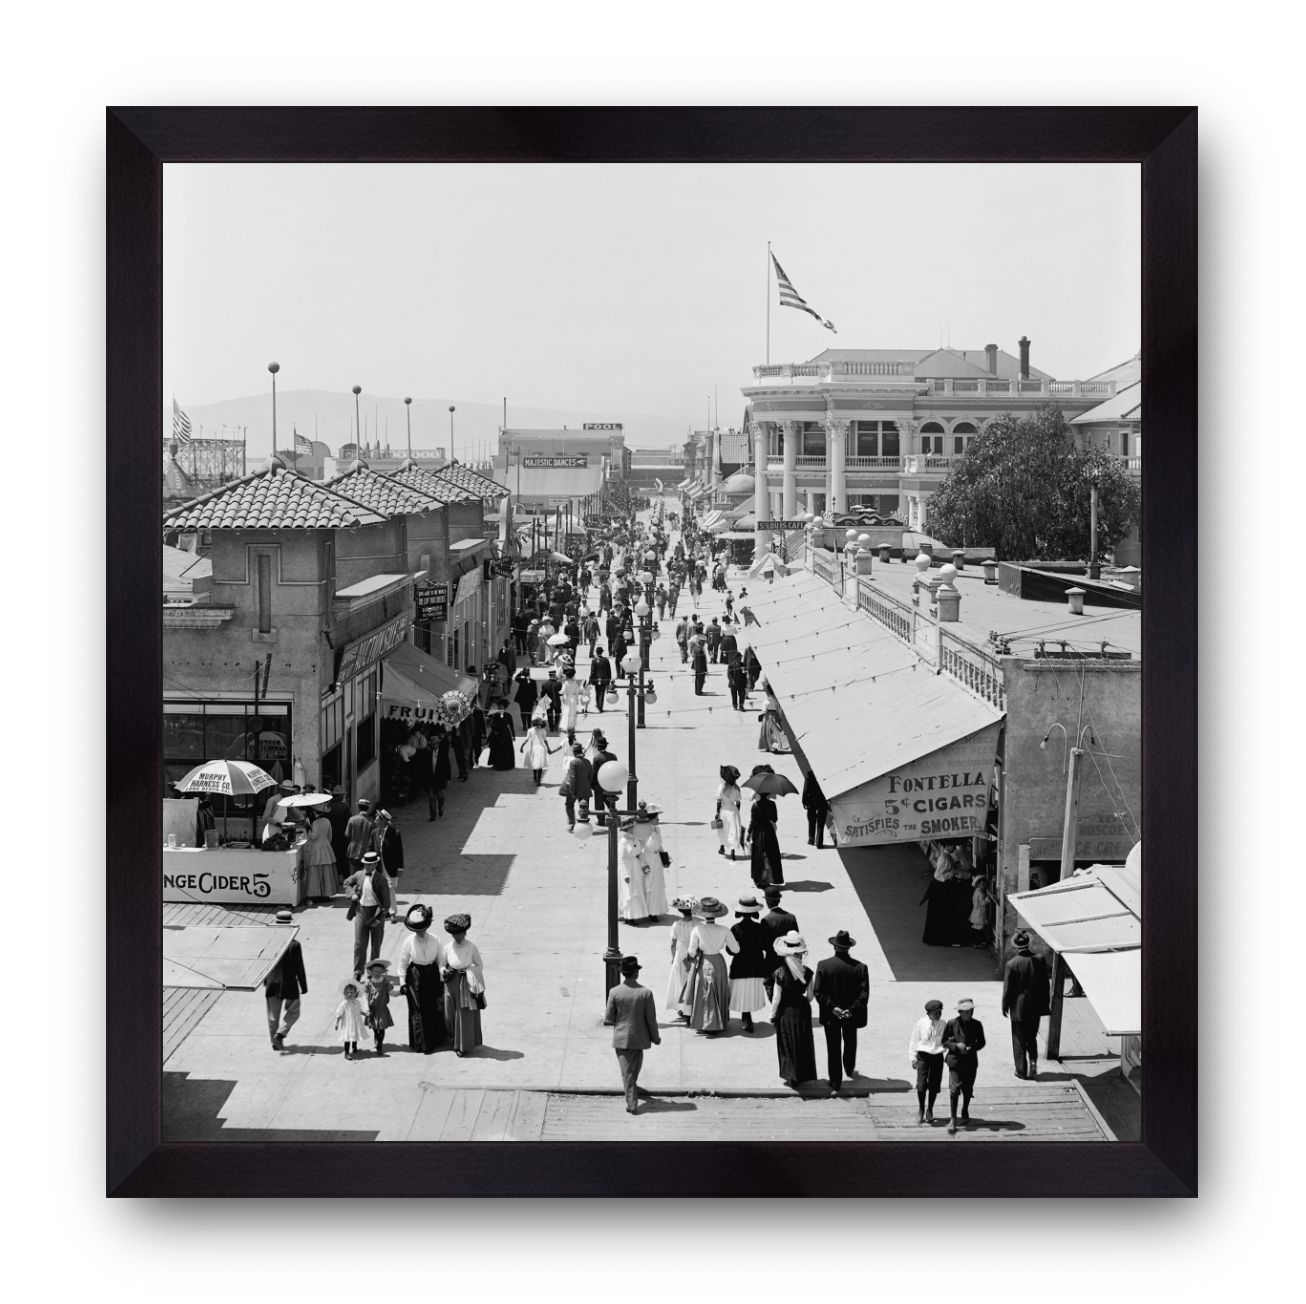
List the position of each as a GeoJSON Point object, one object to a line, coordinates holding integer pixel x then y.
{"type": "Point", "coordinates": [183, 1008]}
{"type": "Point", "coordinates": [1035, 1111]}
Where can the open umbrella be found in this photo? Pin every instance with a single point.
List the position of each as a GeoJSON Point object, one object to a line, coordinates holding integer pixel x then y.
{"type": "Point", "coordinates": [307, 799]}
{"type": "Point", "coordinates": [560, 556]}
{"type": "Point", "coordinates": [775, 784]}
{"type": "Point", "coordinates": [557, 640]}
{"type": "Point", "coordinates": [230, 778]}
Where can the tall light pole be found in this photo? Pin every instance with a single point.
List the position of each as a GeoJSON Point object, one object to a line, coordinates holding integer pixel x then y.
{"type": "Point", "coordinates": [274, 367]}
{"type": "Point", "coordinates": [358, 422]}
{"type": "Point", "coordinates": [615, 774]}
{"type": "Point", "coordinates": [408, 412]}
{"type": "Point", "coordinates": [452, 458]}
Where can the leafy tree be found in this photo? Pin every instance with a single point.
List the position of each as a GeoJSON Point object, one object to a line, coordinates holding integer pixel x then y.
{"type": "Point", "coordinates": [1023, 487]}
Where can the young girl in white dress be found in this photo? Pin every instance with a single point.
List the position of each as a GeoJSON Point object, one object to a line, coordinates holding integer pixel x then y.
{"type": "Point", "coordinates": [677, 978]}
{"type": "Point", "coordinates": [536, 747]}
{"type": "Point", "coordinates": [351, 1021]}
{"type": "Point", "coordinates": [728, 797]}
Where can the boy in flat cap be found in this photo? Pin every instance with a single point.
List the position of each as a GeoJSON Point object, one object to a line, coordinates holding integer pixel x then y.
{"type": "Point", "coordinates": [926, 1051]}
{"type": "Point", "coordinates": [963, 1039]}
{"type": "Point", "coordinates": [634, 1021]}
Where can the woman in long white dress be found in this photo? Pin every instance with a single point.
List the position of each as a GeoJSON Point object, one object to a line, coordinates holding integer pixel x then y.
{"type": "Point", "coordinates": [572, 690]}
{"type": "Point", "coordinates": [710, 987]}
{"type": "Point", "coordinates": [649, 836]}
{"type": "Point", "coordinates": [728, 798]}
{"type": "Point", "coordinates": [633, 889]}
{"type": "Point", "coordinates": [677, 979]}
{"type": "Point", "coordinates": [323, 880]}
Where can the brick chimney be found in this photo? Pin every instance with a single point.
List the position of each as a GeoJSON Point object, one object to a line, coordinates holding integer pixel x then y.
{"type": "Point", "coordinates": [992, 351]}
{"type": "Point", "coordinates": [1024, 358]}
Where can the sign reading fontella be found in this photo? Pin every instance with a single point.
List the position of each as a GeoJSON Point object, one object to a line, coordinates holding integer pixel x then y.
{"type": "Point", "coordinates": [602, 425]}
{"type": "Point", "coordinates": [432, 601]}
{"type": "Point", "coordinates": [229, 876]}
{"type": "Point", "coordinates": [580, 460]}
{"type": "Point", "coordinates": [362, 652]}
{"type": "Point", "coordinates": [942, 795]}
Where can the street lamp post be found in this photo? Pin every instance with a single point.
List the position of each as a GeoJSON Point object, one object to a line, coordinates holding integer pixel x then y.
{"type": "Point", "coordinates": [358, 421]}
{"type": "Point", "coordinates": [274, 367]}
{"type": "Point", "coordinates": [408, 411]}
{"type": "Point", "coordinates": [611, 776]}
{"type": "Point", "coordinates": [452, 458]}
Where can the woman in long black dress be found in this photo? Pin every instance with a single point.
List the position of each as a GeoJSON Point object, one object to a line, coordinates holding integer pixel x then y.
{"type": "Point", "coordinates": [421, 982]}
{"type": "Point", "coordinates": [441, 770]}
{"type": "Point", "coordinates": [763, 843]}
{"type": "Point", "coordinates": [502, 737]}
{"type": "Point", "coordinates": [944, 923]}
{"type": "Point", "coordinates": [792, 1012]}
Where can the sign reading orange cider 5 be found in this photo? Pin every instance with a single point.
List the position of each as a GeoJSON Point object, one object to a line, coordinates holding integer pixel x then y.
{"type": "Point", "coordinates": [942, 795]}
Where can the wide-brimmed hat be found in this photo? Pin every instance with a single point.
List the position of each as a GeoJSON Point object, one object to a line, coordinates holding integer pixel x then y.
{"type": "Point", "coordinates": [338, 790]}
{"type": "Point", "coordinates": [791, 944]}
{"type": "Point", "coordinates": [629, 965]}
{"type": "Point", "coordinates": [966, 1004]}
{"type": "Point", "coordinates": [371, 858]}
{"type": "Point", "coordinates": [457, 923]}
{"type": "Point", "coordinates": [684, 903]}
{"type": "Point", "coordinates": [284, 916]}
{"type": "Point", "coordinates": [418, 919]}
{"type": "Point", "coordinates": [710, 908]}
{"type": "Point", "coordinates": [384, 815]}
{"type": "Point", "coordinates": [355, 983]}
{"type": "Point", "coordinates": [377, 964]}
{"type": "Point", "coordinates": [729, 772]}
{"type": "Point", "coordinates": [748, 906]}
{"type": "Point", "coordinates": [287, 786]}
{"type": "Point", "coordinates": [841, 938]}
{"type": "Point", "coordinates": [364, 804]}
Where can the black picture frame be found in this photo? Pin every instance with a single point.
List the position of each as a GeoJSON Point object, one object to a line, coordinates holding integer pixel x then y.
{"type": "Point", "coordinates": [141, 140]}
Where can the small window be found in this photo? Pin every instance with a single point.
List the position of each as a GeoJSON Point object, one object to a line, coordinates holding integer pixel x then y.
{"type": "Point", "coordinates": [1124, 443]}
{"type": "Point", "coordinates": [264, 594]}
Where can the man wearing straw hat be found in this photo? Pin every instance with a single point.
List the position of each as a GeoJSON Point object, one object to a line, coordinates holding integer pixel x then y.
{"type": "Point", "coordinates": [634, 1022]}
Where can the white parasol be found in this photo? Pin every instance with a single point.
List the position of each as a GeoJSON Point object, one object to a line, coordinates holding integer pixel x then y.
{"type": "Point", "coordinates": [228, 778]}
{"type": "Point", "coordinates": [557, 640]}
{"type": "Point", "coordinates": [307, 799]}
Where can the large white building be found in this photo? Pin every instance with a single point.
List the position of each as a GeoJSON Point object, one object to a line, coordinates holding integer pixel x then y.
{"type": "Point", "coordinates": [879, 427]}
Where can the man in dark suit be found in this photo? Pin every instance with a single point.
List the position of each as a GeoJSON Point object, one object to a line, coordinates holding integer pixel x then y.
{"type": "Point", "coordinates": [1026, 992]}
{"type": "Point", "coordinates": [389, 845]}
{"type": "Point", "coordinates": [963, 1039]}
{"type": "Point", "coordinates": [600, 677]}
{"type": "Point", "coordinates": [552, 690]}
{"type": "Point", "coordinates": [284, 984]}
{"type": "Point", "coordinates": [842, 991]}
{"type": "Point", "coordinates": [634, 1021]}
{"type": "Point", "coordinates": [778, 923]}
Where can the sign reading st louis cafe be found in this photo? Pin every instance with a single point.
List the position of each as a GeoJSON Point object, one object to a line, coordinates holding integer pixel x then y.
{"type": "Point", "coordinates": [943, 795]}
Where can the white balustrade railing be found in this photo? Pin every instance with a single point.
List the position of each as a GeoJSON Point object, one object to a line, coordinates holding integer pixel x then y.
{"type": "Point", "coordinates": [904, 372]}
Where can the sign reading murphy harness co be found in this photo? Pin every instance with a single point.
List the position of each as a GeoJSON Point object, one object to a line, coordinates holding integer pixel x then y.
{"type": "Point", "coordinates": [942, 795]}
{"type": "Point", "coordinates": [579, 460]}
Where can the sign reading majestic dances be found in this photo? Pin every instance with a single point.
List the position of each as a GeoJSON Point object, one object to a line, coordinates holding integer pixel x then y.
{"type": "Point", "coordinates": [942, 795]}
{"type": "Point", "coordinates": [432, 601]}
{"type": "Point", "coordinates": [579, 460]}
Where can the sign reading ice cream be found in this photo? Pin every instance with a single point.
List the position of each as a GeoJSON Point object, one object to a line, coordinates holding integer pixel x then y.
{"type": "Point", "coordinates": [943, 795]}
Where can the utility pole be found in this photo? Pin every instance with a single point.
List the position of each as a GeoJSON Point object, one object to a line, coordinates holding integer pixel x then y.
{"type": "Point", "coordinates": [1094, 567]}
{"type": "Point", "coordinates": [1069, 831]}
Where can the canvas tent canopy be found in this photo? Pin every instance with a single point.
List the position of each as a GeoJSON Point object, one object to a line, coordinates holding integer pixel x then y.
{"type": "Point", "coordinates": [905, 754]}
{"type": "Point", "coordinates": [412, 683]}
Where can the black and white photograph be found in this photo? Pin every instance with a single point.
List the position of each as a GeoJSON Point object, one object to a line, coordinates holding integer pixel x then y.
{"type": "Point", "coordinates": [652, 652]}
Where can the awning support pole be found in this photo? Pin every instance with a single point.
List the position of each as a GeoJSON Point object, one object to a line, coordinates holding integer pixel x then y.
{"type": "Point", "coordinates": [1058, 1006]}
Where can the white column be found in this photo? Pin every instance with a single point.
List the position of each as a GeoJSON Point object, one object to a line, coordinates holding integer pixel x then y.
{"type": "Point", "coordinates": [761, 498]}
{"type": "Point", "coordinates": [836, 441]}
{"type": "Point", "coordinates": [789, 502]}
{"type": "Point", "coordinates": [811, 500]}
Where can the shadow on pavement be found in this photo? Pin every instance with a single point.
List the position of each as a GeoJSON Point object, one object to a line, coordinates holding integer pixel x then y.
{"type": "Point", "coordinates": [190, 1109]}
{"type": "Point", "coordinates": [457, 875]}
{"type": "Point", "coordinates": [807, 885]}
{"type": "Point", "coordinates": [657, 1105]}
{"type": "Point", "coordinates": [491, 1052]}
{"type": "Point", "coordinates": [889, 882]}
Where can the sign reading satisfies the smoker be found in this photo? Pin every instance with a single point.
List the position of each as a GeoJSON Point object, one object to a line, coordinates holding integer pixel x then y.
{"type": "Point", "coordinates": [942, 795]}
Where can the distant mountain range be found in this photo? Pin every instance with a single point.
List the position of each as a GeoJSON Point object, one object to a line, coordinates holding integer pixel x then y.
{"type": "Point", "coordinates": [329, 417]}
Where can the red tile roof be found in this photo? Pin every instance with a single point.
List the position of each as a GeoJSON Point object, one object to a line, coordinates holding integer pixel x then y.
{"type": "Point", "coordinates": [385, 494]}
{"type": "Point", "coordinates": [272, 500]}
{"type": "Point", "coordinates": [482, 486]}
{"type": "Point", "coordinates": [428, 482]}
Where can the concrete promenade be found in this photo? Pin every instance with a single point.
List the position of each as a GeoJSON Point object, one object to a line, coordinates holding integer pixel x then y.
{"type": "Point", "coordinates": [537, 898]}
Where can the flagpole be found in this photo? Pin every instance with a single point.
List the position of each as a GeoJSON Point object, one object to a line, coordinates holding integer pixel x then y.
{"type": "Point", "coordinates": [768, 303]}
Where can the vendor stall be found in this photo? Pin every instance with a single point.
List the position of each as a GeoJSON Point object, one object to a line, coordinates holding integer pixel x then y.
{"type": "Point", "coordinates": [227, 875]}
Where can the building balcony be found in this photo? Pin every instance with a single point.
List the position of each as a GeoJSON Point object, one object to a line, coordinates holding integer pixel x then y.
{"type": "Point", "coordinates": [898, 375]}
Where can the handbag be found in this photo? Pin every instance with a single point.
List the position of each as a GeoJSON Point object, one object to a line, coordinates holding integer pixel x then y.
{"type": "Point", "coordinates": [665, 857]}
{"type": "Point", "coordinates": [353, 909]}
{"type": "Point", "coordinates": [480, 1000]}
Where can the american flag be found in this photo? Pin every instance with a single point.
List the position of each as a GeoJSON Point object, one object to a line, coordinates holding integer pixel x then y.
{"type": "Point", "coordinates": [790, 298]}
{"type": "Point", "coordinates": [180, 424]}
{"type": "Point", "coordinates": [303, 446]}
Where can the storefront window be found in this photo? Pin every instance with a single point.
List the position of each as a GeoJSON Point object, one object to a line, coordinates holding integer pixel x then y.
{"type": "Point", "coordinates": [183, 736]}
{"type": "Point", "coordinates": [813, 440]}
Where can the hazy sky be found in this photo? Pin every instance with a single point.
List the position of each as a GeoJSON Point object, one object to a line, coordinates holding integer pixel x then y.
{"type": "Point", "coordinates": [630, 288]}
